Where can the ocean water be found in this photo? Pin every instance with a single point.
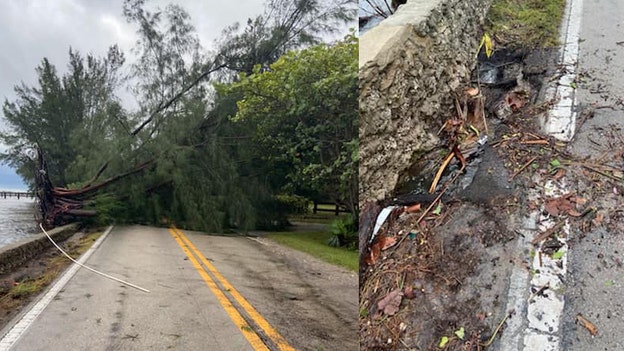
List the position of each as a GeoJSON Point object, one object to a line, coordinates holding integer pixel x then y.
{"type": "Point", "coordinates": [17, 220]}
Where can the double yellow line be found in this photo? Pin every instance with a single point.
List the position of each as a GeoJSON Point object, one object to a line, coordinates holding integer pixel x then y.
{"type": "Point", "coordinates": [191, 252]}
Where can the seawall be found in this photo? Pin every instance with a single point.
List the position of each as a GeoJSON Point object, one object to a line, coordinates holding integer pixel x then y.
{"type": "Point", "coordinates": [409, 67]}
{"type": "Point", "coordinates": [17, 254]}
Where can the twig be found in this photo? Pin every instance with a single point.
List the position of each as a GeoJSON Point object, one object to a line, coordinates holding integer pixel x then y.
{"type": "Point", "coordinates": [535, 142]}
{"type": "Point", "coordinates": [438, 175]}
{"type": "Point", "coordinates": [491, 340]}
{"type": "Point", "coordinates": [433, 203]}
{"type": "Point", "coordinates": [482, 108]}
{"type": "Point", "coordinates": [593, 330]}
{"type": "Point", "coordinates": [603, 173]}
{"type": "Point", "coordinates": [539, 292]}
{"type": "Point", "coordinates": [545, 234]}
{"type": "Point", "coordinates": [522, 168]}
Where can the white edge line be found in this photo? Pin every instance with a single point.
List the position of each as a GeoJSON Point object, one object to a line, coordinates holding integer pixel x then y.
{"type": "Point", "coordinates": [562, 129]}
{"type": "Point", "coordinates": [27, 319]}
{"type": "Point", "coordinates": [561, 119]}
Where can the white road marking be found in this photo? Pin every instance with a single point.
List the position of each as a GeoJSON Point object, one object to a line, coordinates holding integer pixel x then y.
{"type": "Point", "coordinates": [27, 319]}
{"type": "Point", "coordinates": [561, 120]}
{"type": "Point", "coordinates": [538, 329]}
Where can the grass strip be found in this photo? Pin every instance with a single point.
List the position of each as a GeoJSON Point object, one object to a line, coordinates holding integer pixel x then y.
{"type": "Point", "coordinates": [526, 23]}
{"type": "Point", "coordinates": [315, 244]}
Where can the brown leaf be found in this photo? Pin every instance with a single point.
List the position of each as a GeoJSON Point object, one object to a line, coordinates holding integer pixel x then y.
{"type": "Point", "coordinates": [472, 91]}
{"type": "Point", "coordinates": [532, 205]}
{"type": "Point", "coordinates": [598, 220]}
{"type": "Point", "coordinates": [593, 330]}
{"type": "Point", "coordinates": [413, 208]}
{"type": "Point", "coordinates": [388, 242]}
{"type": "Point", "coordinates": [459, 156]}
{"type": "Point", "coordinates": [558, 205]}
{"type": "Point", "coordinates": [391, 302]}
{"type": "Point", "coordinates": [374, 251]}
{"type": "Point", "coordinates": [515, 101]}
{"type": "Point", "coordinates": [579, 200]}
{"type": "Point", "coordinates": [559, 174]}
{"type": "Point", "coordinates": [409, 292]}
{"type": "Point", "coordinates": [574, 213]}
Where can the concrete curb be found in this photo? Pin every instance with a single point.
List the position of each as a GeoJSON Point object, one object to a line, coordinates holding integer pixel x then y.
{"type": "Point", "coordinates": [16, 254]}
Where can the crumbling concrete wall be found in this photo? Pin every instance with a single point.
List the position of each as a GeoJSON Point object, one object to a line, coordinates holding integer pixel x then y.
{"type": "Point", "coordinates": [17, 254]}
{"type": "Point", "coordinates": [409, 65]}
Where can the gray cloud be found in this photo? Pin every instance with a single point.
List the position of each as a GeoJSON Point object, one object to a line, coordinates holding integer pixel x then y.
{"type": "Point", "coordinates": [33, 29]}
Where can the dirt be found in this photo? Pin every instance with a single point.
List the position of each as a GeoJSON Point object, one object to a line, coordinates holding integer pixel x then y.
{"type": "Point", "coordinates": [451, 261]}
{"type": "Point", "coordinates": [37, 274]}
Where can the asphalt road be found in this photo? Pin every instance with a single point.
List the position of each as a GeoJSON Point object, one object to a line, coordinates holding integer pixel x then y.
{"type": "Point", "coordinates": [206, 293]}
{"type": "Point", "coordinates": [595, 281]}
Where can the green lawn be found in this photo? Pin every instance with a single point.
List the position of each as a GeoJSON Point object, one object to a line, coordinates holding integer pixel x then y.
{"type": "Point", "coordinates": [528, 23]}
{"type": "Point", "coordinates": [315, 243]}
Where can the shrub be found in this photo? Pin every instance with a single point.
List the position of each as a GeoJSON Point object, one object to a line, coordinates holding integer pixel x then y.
{"type": "Point", "coordinates": [344, 232]}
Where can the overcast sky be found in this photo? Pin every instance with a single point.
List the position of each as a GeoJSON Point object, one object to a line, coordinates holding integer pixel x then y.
{"type": "Point", "coordinates": [33, 29]}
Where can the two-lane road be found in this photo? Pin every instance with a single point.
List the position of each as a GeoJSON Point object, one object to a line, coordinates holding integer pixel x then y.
{"type": "Point", "coordinates": [206, 293]}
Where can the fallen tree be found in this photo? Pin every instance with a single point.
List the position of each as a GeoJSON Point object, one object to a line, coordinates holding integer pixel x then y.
{"type": "Point", "coordinates": [58, 205]}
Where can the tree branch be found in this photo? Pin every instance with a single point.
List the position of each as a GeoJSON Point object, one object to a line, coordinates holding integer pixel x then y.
{"type": "Point", "coordinates": [174, 98]}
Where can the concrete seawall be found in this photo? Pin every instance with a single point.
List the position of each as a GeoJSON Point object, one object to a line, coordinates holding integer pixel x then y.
{"type": "Point", "coordinates": [409, 67]}
{"type": "Point", "coordinates": [16, 254]}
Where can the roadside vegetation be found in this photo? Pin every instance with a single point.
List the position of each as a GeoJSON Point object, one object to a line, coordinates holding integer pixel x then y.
{"type": "Point", "coordinates": [24, 284]}
{"type": "Point", "coordinates": [526, 23]}
{"type": "Point", "coordinates": [315, 244]}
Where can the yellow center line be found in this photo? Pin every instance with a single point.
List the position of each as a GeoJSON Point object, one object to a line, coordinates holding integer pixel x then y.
{"type": "Point", "coordinates": [241, 324]}
{"type": "Point", "coordinates": [249, 309]}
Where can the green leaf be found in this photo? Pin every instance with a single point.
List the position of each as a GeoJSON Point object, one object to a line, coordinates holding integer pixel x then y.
{"type": "Point", "coordinates": [558, 255]}
{"type": "Point", "coordinates": [363, 313]}
{"type": "Point", "coordinates": [460, 333]}
{"type": "Point", "coordinates": [609, 283]}
{"type": "Point", "coordinates": [573, 85]}
{"type": "Point", "coordinates": [443, 341]}
{"type": "Point", "coordinates": [438, 209]}
{"type": "Point", "coordinates": [555, 163]}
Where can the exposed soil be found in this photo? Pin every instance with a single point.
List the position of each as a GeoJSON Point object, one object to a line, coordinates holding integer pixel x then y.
{"type": "Point", "coordinates": [21, 287]}
{"type": "Point", "coordinates": [443, 284]}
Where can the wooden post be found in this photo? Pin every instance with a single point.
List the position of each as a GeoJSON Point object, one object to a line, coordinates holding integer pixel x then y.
{"type": "Point", "coordinates": [337, 209]}
{"type": "Point", "coordinates": [315, 207]}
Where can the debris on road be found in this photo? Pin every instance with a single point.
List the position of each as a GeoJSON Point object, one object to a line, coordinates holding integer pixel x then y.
{"type": "Point", "coordinates": [391, 302]}
{"type": "Point", "coordinates": [593, 330]}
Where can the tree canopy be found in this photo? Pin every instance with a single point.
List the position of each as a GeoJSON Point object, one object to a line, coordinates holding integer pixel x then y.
{"type": "Point", "coordinates": [206, 149]}
{"type": "Point", "coordinates": [305, 110]}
